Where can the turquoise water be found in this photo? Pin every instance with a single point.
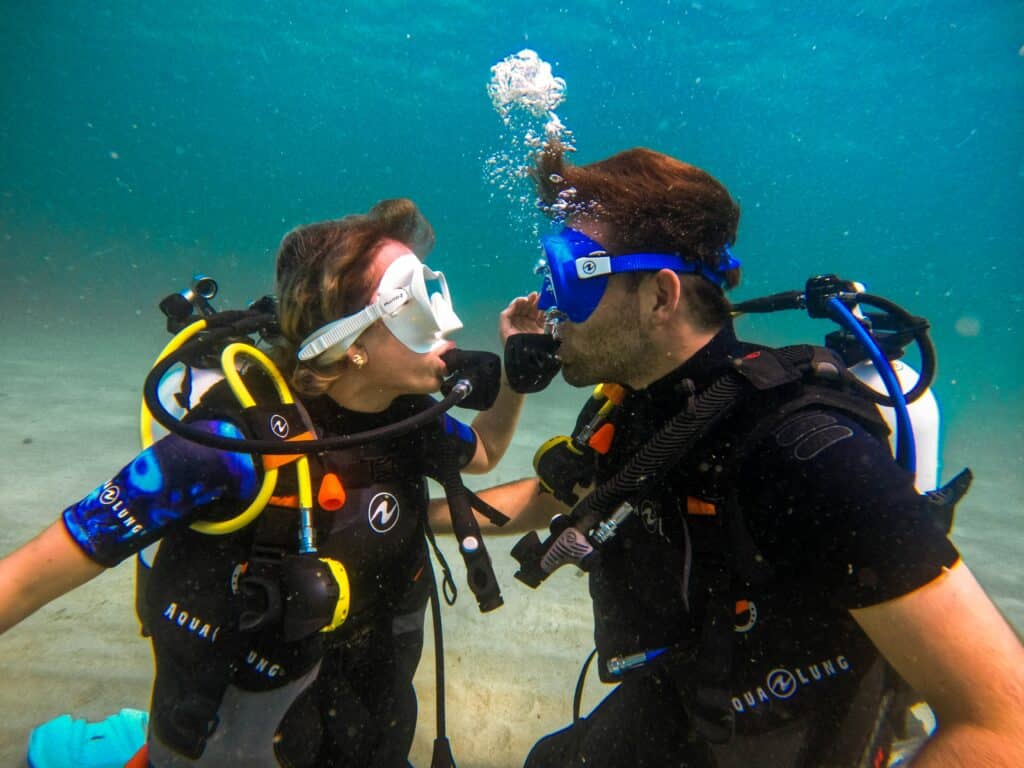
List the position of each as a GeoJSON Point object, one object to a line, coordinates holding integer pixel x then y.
{"type": "Point", "coordinates": [879, 140]}
{"type": "Point", "coordinates": [883, 141]}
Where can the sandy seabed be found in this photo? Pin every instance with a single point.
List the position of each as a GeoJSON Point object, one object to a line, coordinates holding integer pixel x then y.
{"type": "Point", "coordinates": [69, 413]}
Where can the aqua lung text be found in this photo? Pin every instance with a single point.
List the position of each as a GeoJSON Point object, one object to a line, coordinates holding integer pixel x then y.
{"type": "Point", "coordinates": [263, 665]}
{"type": "Point", "coordinates": [782, 683]}
{"type": "Point", "coordinates": [110, 496]}
{"type": "Point", "coordinates": [190, 623]}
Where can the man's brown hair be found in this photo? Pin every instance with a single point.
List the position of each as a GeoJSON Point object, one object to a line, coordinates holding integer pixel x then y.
{"type": "Point", "coordinates": [650, 202]}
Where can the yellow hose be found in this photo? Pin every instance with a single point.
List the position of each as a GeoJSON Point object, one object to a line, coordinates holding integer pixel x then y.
{"type": "Point", "coordinates": [234, 379]}
{"type": "Point", "coordinates": [146, 418]}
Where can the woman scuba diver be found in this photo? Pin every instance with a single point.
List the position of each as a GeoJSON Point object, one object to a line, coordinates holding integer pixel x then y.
{"type": "Point", "coordinates": [286, 601]}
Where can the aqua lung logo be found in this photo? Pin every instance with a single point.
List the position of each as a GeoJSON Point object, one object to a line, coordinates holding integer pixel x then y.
{"type": "Point", "coordinates": [110, 496]}
{"type": "Point", "coordinates": [588, 267]}
{"type": "Point", "coordinates": [279, 426]}
{"type": "Point", "coordinates": [264, 666]}
{"type": "Point", "coordinates": [783, 683]}
{"type": "Point", "coordinates": [383, 512]}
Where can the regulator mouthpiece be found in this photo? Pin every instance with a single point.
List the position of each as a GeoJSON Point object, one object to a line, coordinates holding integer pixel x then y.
{"type": "Point", "coordinates": [531, 361]}
{"type": "Point", "coordinates": [482, 370]}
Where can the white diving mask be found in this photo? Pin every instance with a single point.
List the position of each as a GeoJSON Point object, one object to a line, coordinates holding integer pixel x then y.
{"type": "Point", "coordinates": [418, 318]}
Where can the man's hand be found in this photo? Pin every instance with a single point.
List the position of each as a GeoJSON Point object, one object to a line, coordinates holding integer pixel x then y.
{"type": "Point", "coordinates": [521, 316]}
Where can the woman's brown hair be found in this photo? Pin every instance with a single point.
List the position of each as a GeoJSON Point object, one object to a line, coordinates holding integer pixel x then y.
{"type": "Point", "coordinates": [650, 202]}
{"type": "Point", "coordinates": [323, 274]}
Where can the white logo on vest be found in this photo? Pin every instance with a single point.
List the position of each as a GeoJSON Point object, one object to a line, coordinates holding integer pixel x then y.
{"type": "Point", "coordinates": [110, 494]}
{"type": "Point", "coordinates": [383, 512]}
{"type": "Point", "coordinates": [781, 683]}
{"type": "Point", "coordinates": [279, 426]}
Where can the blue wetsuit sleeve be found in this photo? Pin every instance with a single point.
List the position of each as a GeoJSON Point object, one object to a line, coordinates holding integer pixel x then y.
{"type": "Point", "coordinates": [463, 435]}
{"type": "Point", "coordinates": [169, 483]}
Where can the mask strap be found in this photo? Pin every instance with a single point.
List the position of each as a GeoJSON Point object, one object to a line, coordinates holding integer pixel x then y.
{"type": "Point", "coordinates": [338, 331]}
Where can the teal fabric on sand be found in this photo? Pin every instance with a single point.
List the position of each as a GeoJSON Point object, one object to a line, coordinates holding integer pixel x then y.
{"type": "Point", "coordinates": [67, 742]}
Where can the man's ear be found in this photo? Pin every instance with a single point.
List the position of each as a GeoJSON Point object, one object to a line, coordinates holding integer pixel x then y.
{"type": "Point", "coordinates": [665, 292]}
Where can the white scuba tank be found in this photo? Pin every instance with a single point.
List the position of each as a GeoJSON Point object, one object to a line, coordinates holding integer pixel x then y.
{"type": "Point", "coordinates": [170, 384]}
{"type": "Point", "coordinates": [924, 418]}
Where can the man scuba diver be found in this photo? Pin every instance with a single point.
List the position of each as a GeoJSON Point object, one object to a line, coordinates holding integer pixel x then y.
{"type": "Point", "coordinates": [763, 573]}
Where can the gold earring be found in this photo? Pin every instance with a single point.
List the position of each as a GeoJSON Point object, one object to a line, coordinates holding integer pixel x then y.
{"type": "Point", "coordinates": [358, 359]}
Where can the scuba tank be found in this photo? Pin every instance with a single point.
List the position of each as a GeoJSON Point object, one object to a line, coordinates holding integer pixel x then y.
{"type": "Point", "coordinates": [924, 418]}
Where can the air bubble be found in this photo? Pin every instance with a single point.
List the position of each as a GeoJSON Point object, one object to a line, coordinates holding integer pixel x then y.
{"type": "Point", "coordinates": [525, 93]}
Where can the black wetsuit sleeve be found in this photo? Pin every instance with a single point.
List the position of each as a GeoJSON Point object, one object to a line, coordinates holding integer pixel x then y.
{"type": "Point", "coordinates": [173, 482]}
{"type": "Point", "coordinates": [828, 506]}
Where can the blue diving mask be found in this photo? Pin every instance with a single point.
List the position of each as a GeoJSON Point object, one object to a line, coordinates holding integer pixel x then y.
{"type": "Point", "coordinates": [576, 271]}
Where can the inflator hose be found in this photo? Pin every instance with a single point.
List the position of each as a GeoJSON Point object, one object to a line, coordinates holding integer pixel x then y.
{"type": "Point", "coordinates": [479, 570]}
{"type": "Point", "coordinates": [663, 450]}
{"type": "Point", "coordinates": [906, 451]}
{"type": "Point", "coordinates": [273, 447]}
{"type": "Point", "coordinates": [442, 752]}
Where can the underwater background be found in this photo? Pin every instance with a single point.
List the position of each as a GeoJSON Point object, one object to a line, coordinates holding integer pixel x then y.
{"type": "Point", "coordinates": [881, 141]}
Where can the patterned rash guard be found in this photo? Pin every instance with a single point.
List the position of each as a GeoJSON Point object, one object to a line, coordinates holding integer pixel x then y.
{"type": "Point", "coordinates": [176, 481]}
{"type": "Point", "coordinates": [167, 484]}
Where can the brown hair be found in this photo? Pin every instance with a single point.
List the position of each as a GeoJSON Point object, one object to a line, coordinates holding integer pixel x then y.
{"type": "Point", "coordinates": [323, 274]}
{"type": "Point", "coordinates": [651, 202]}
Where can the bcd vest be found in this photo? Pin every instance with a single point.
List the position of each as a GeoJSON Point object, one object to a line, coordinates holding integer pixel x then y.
{"type": "Point", "coordinates": [205, 597]}
{"type": "Point", "coordinates": [737, 640]}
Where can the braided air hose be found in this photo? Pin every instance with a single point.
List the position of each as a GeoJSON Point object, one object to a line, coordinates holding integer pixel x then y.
{"type": "Point", "coordinates": [671, 443]}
